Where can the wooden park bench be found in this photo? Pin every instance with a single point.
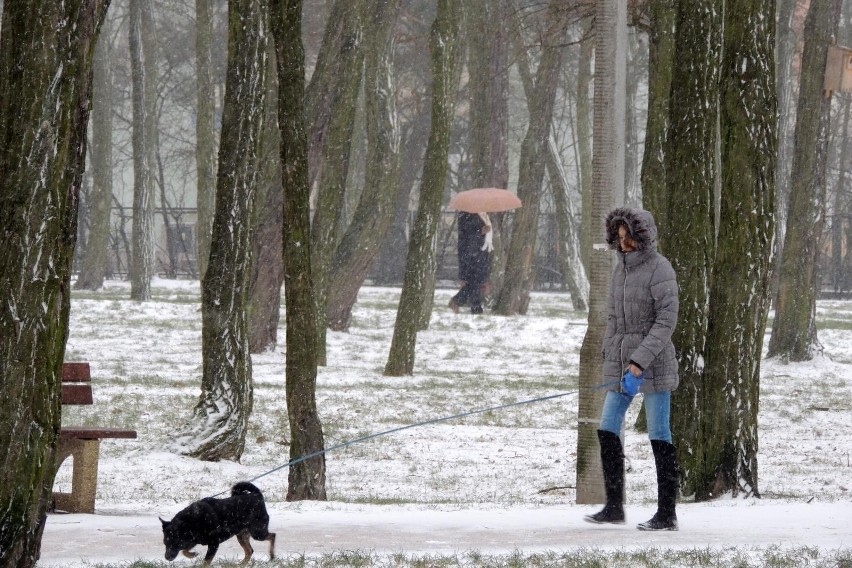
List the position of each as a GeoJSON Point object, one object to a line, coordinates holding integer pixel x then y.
{"type": "Point", "coordinates": [81, 442]}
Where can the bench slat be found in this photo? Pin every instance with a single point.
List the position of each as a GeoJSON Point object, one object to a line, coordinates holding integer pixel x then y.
{"type": "Point", "coordinates": [95, 432]}
{"type": "Point", "coordinates": [78, 372]}
{"type": "Point", "coordinates": [77, 394]}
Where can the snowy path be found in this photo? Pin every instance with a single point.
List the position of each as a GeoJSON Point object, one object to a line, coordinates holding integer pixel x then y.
{"type": "Point", "coordinates": [320, 528]}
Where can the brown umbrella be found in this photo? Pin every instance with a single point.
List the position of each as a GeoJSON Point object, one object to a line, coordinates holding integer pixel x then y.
{"type": "Point", "coordinates": [485, 200]}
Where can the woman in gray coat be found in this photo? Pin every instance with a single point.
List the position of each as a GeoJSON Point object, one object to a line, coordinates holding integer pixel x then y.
{"type": "Point", "coordinates": [639, 357]}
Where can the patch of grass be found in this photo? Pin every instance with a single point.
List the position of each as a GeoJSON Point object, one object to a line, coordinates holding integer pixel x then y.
{"type": "Point", "coordinates": [771, 557]}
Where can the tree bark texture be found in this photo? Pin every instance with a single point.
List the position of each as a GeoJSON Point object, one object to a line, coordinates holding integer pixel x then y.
{"type": "Point", "coordinates": [47, 49]}
{"type": "Point", "coordinates": [205, 135]}
{"type": "Point", "coordinates": [444, 48]}
{"type": "Point", "coordinates": [794, 334]}
{"type": "Point", "coordinates": [374, 213]}
{"type": "Point", "coordinates": [608, 150]}
{"type": "Point", "coordinates": [739, 299]}
{"type": "Point", "coordinates": [513, 296]}
{"type": "Point", "coordinates": [141, 263]}
{"type": "Point", "coordinates": [94, 267]}
{"type": "Point", "coordinates": [661, 57]}
{"type": "Point", "coordinates": [329, 79]}
{"type": "Point", "coordinates": [325, 228]}
{"type": "Point", "coordinates": [306, 479]}
{"type": "Point", "coordinates": [218, 425]}
{"type": "Point", "coordinates": [691, 176]}
{"type": "Point", "coordinates": [267, 267]}
{"type": "Point", "coordinates": [840, 210]}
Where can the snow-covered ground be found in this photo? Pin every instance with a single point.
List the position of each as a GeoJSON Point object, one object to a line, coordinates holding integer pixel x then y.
{"type": "Point", "coordinates": [492, 482]}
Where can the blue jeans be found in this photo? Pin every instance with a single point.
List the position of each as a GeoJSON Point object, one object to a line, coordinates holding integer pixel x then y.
{"type": "Point", "coordinates": [657, 407]}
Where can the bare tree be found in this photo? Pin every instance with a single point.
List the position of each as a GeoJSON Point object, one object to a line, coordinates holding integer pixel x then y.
{"type": "Point", "coordinates": [141, 267]}
{"type": "Point", "coordinates": [739, 297]}
{"type": "Point", "coordinates": [373, 215]}
{"type": "Point", "coordinates": [688, 201]}
{"type": "Point", "coordinates": [217, 428]}
{"type": "Point", "coordinates": [94, 266]}
{"type": "Point", "coordinates": [794, 334]}
{"type": "Point", "coordinates": [513, 296]}
{"type": "Point", "coordinates": [307, 478]}
{"type": "Point", "coordinates": [421, 251]}
{"type": "Point", "coordinates": [44, 106]}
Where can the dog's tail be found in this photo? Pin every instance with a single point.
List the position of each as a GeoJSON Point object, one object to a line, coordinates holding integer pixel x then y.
{"type": "Point", "coordinates": [244, 488]}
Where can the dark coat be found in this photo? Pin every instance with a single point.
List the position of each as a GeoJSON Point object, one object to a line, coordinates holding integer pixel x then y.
{"type": "Point", "coordinates": [474, 263]}
{"type": "Point", "coordinates": [643, 306]}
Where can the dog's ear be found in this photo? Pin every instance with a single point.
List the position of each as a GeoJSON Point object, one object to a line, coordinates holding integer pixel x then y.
{"type": "Point", "coordinates": [165, 523]}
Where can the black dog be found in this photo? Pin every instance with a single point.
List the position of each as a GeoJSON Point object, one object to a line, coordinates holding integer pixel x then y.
{"type": "Point", "coordinates": [213, 521]}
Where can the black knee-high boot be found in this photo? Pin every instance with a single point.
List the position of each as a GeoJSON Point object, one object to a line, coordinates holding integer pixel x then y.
{"type": "Point", "coordinates": [612, 462]}
{"type": "Point", "coordinates": [665, 458]}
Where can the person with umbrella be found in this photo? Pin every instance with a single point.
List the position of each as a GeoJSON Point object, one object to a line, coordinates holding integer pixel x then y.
{"type": "Point", "coordinates": [474, 252]}
{"type": "Point", "coordinates": [475, 241]}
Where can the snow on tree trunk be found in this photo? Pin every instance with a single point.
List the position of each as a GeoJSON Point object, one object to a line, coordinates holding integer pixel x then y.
{"type": "Point", "coordinates": [444, 48]}
{"type": "Point", "coordinates": [794, 334]}
{"type": "Point", "coordinates": [306, 479]}
{"type": "Point", "coordinates": [607, 176]}
{"type": "Point", "coordinates": [217, 428]}
{"type": "Point", "coordinates": [739, 297]}
{"type": "Point", "coordinates": [45, 88]}
{"type": "Point", "coordinates": [690, 164]}
{"type": "Point", "coordinates": [373, 215]}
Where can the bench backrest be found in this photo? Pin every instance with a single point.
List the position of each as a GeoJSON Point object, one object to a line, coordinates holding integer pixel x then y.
{"type": "Point", "coordinates": [76, 383]}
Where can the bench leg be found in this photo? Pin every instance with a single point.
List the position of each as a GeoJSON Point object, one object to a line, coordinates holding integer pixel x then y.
{"type": "Point", "coordinates": [84, 476]}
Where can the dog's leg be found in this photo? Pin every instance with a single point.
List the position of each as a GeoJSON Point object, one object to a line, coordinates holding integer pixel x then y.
{"type": "Point", "coordinates": [271, 539]}
{"type": "Point", "coordinates": [211, 552]}
{"type": "Point", "coordinates": [243, 539]}
{"type": "Point", "coordinates": [189, 553]}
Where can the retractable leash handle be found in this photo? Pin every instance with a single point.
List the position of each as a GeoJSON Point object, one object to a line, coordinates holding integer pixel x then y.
{"type": "Point", "coordinates": [630, 383]}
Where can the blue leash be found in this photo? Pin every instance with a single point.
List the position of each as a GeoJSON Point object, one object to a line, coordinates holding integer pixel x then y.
{"type": "Point", "coordinates": [305, 457]}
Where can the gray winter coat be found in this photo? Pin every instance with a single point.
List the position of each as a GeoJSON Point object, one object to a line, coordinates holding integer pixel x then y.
{"type": "Point", "coordinates": [643, 306]}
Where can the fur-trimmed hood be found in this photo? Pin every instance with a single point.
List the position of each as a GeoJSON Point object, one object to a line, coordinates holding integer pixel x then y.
{"type": "Point", "coordinates": [640, 224]}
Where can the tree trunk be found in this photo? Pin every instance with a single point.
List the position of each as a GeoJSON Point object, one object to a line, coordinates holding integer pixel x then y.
{"type": "Point", "coordinates": [374, 213]}
{"type": "Point", "coordinates": [329, 78]}
{"type": "Point", "coordinates": [573, 271]}
{"type": "Point", "coordinates": [205, 134]}
{"type": "Point", "coordinates": [306, 479]}
{"type": "Point", "coordinates": [786, 53]}
{"type": "Point", "coordinates": [607, 175]}
{"type": "Point", "coordinates": [141, 265]}
{"type": "Point", "coordinates": [488, 66]}
{"type": "Point", "coordinates": [94, 268]}
{"type": "Point", "coordinates": [691, 176]}
{"type": "Point", "coordinates": [661, 56]}
{"type": "Point", "coordinates": [349, 65]}
{"type": "Point", "coordinates": [839, 212]}
{"type": "Point", "coordinates": [794, 334]}
{"type": "Point", "coordinates": [513, 296]}
{"type": "Point", "coordinates": [739, 298]}
{"type": "Point", "coordinates": [589, 231]}
{"type": "Point", "coordinates": [267, 267]}
{"type": "Point", "coordinates": [444, 48]}
{"type": "Point", "coordinates": [217, 429]}
{"type": "Point", "coordinates": [45, 87]}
